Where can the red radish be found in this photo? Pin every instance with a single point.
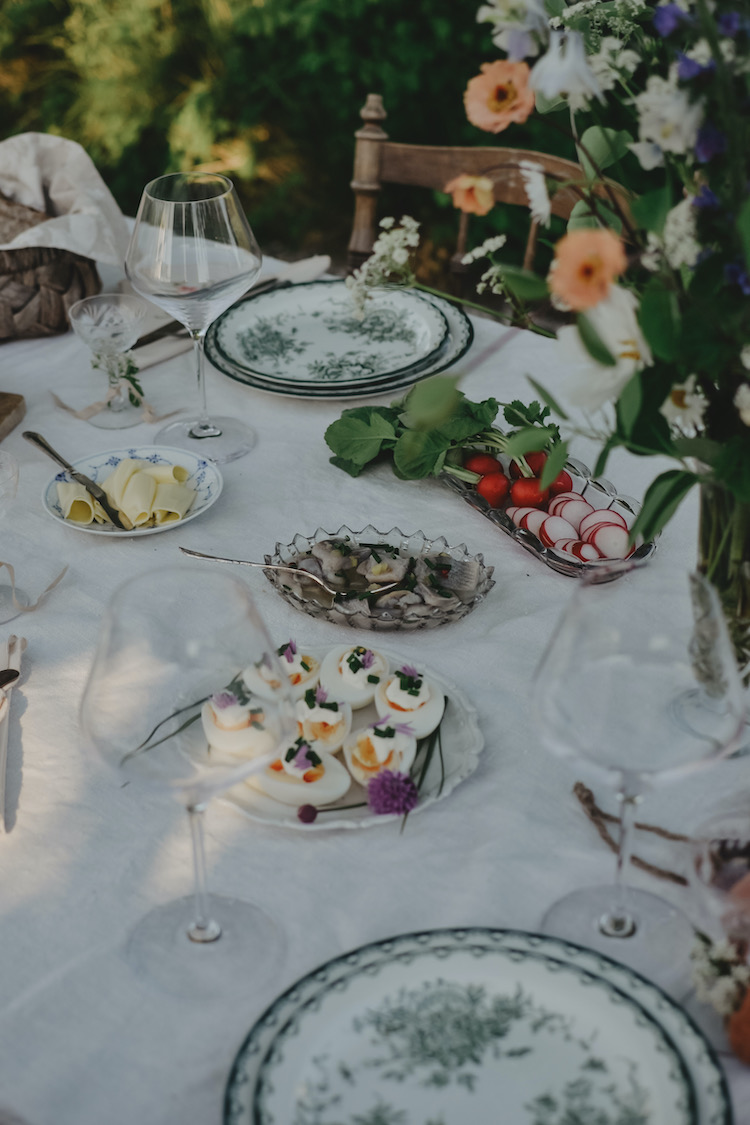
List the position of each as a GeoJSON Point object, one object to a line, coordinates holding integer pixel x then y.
{"type": "Point", "coordinates": [586, 552]}
{"type": "Point", "coordinates": [494, 488]}
{"type": "Point", "coordinates": [519, 513]}
{"type": "Point", "coordinates": [535, 461]}
{"type": "Point", "coordinates": [528, 492]}
{"type": "Point", "coordinates": [600, 515]}
{"type": "Point", "coordinates": [561, 498]}
{"type": "Point", "coordinates": [483, 463]}
{"type": "Point", "coordinates": [573, 511]}
{"type": "Point", "coordinates": [611, 541]}
{"type": "Point", "coordinates": [563, 482]}
{"type": "Point", "coordinates": [534, 519]}
{"type": "Point", "coordinates": [555, 528]}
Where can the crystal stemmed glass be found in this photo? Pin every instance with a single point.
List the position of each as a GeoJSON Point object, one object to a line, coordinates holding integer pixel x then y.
{"type": "Point", "coordinates": [110, 323]}
{"type": "Point", "coordinates": [192, 252]}
{"type": "Point", "coordinates": [169, 640]}
{"type": "Point", "coordinates": [8, 488]}
{"type": "Point", "coordinates": [639, 679]}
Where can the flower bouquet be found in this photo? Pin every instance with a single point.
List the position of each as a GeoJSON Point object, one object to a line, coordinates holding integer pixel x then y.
{"type": "Point", "coordinates": [653, 273]}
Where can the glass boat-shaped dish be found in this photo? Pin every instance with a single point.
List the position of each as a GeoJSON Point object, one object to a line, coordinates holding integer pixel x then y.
{"type": "Point", "coordinates": [599, 492]}
{"type": "Point", "coordinates": [440, 583]}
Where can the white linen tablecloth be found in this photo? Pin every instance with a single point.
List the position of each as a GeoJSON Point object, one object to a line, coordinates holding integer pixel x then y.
{"type": "Point", "coordinates": [82, 1039]}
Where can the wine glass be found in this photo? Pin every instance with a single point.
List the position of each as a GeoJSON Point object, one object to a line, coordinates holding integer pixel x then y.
{"type": "Point", "coordinates": [170, 640]}
{"type": "Point", "coordinates": [110, 324]}
{"type": "Point", "coordinates": [639, 679]}
{"type": "Point", "coordinates": [192, 252]}
{"type": "Point", "coordinates": [11, 598]}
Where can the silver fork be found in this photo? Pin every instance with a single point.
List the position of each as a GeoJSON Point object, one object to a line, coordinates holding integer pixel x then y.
{"type": "Point", "coordinates": [303, 575]}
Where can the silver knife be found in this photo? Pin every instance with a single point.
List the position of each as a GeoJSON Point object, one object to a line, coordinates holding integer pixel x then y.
{"type": "Point", "coordinates": [13, 651]}
{"type": "Point", "coordinates": [91, 486]}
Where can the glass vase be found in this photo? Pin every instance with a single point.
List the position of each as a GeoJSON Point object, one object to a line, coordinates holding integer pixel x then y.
{"type": "Point", "coordinates": [724, 558]}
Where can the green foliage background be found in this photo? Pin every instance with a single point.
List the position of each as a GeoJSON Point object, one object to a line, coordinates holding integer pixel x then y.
{"type": "Point", "coordinates": [265, 90]}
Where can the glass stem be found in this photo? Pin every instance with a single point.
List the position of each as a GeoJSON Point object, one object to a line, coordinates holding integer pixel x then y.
{"type": "Point", "coordinates": [618, 922]}
{"type": "Point", "coordinates": [202, 928]}
{"type": "Point", "coordinates": [112, 367]}
{"type": "Point", "coordinates": [204, 427]}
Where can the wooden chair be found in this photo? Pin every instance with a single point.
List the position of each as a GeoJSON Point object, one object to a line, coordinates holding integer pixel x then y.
{"type": "Point", "coordinates": [378, 160]}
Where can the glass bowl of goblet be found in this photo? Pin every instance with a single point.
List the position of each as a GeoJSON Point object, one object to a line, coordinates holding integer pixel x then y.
{"type": "Point", "coordinates": [109, 324]}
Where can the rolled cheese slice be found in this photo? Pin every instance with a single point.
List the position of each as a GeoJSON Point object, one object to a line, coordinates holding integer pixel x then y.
{"type": "Point", "coordinates": [166, 474]}
{"type": "Point", "coordinates": [172, 501]}
{"type": "Point", "coordinates": [77, 504]}
{"type": "Point", "coordinates": [138, 498]}
{"type": "Point", "coordinates": [116, 483]}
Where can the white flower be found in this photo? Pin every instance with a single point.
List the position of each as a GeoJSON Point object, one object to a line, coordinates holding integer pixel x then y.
{"type": "Point", "coordinates": [612, 62]}
{"type": "Point", "coordinates": [489, 246]}
{"type": "Point", "coordinates": [742, 402]}
{"type": "Point", "coordinates": [685, 406]}
{"type": "Point", "coordinates": [389, 262]}
{"type": "Point", "coordinates": [593, 384]}
{"type": "Point", "coordinates": [653, 255]}
{"type": "Point", "coordinates": [535, 186]}
{"type": "Point", "coordinates": [667, 119]}
{"type": "Point", "coordinates": [745, 357]}
{"type": "Point", "coordinates": [681, 246]}
{"type": "Point", "coordinates": [565, 70]}
{"type": "Point", "coordinates": [519, 26]}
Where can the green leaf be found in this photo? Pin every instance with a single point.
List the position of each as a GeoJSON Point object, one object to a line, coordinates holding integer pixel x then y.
{"type": "Point", "coordinates": [432, 401]}
{"type": "Point", "coordinates": [544, 104]}
{"type": "Point", "coordinates": [359, 434]}
{"type": "Point", "coordinates": [523, 284]}
{"type": "Point", "coordinates": [418, 454]}
{"type": "Point", "coordinates": [629, 404]}
{"type": "Point", "coordinates": [555, 463]}
{"type": "Point", "coordinates": [593, 342]}
{"type": "Point", "coordinates": [601, 462]}
{"type": "Point", "coordinates": [530, 440]}
{"type": "Point", "coordinates": [350, 467]}
{"type": "Point", "coordinates": [601, 148]}
{"type": "Point", "coordinates": [517, 413]}
{"type": "Point", "coordinates": [659, 317]}
{"type": "Point", "coordinates": [743, 228]}
{"type": "Point", "coordinates": [582, 217]}
{"type": "Point", "coordinates": [661, 501]}
{"type": "Point", "coordinates": [468, 419]}
{"type": "Point", "coordinates": [545, 396]}
{"type": "Point", "coordinates": [651, 209]}
{"type": "Point", "coordinates": [703, 449]}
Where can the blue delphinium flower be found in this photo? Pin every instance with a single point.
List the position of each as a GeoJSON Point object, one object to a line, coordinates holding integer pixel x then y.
{"type": "Point", "coordinates": [711, 142]}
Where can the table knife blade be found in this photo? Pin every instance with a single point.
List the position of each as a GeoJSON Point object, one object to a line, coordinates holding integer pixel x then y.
{"type": "Point", "coordinates": [12, 651]}
{"type": "Point", "coordinates": [91, 486]}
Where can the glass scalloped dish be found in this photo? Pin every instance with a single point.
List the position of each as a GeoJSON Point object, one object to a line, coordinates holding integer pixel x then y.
{"type": "Point", "coordinates": [440, 583]}
{"type": "Point", "coordinates": [598, 491]}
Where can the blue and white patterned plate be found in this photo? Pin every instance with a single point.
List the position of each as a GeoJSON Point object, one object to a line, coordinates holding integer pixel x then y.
{"type": "Point", "coordinates": [204, 477]}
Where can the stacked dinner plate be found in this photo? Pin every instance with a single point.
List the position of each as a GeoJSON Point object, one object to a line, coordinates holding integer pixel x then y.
{"type": "Point", "coordinates": [307, 341]}
{"type": "Point", "coordinates": [475, 1025]}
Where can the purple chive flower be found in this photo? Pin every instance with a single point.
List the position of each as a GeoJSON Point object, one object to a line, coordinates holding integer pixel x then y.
{"type": "Point", "coordinates": [706, 199]}
{"type": "Point", "coordinates": [321, 695]}
{"type": "Point", "coordinates": [687, 68]}
{"type": "Point", "coordinates": [409, 670]}
{"type": "Point", "coordinates": [390, 792]}
{"type": "Point", "coordinates": [734, 274]}
{"type": "Point", "coordinates": [307, 813]}
{"type": "Point", "coordinates": [223, 699]}
{"type": "Point", "coordinates": [667, 18]}
{"type": "Point", "coordinates": [300, 759]}
{"type": "Point", "coordinates": [289, 652]}
{"type": "Point", "coordinates": [728, 24]}
{"type": "Point", "coordinates": [711, 142]}
{"type": "Point", "coordinates": [400, 728]}
{"type": "Point", "coordinates": [368, 658]}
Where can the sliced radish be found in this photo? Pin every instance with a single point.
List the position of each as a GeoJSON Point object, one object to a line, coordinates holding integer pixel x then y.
{"type": "Point", "coordinates": [561, 498]}
{"type": "Point", "coordinates": [555, 528]}
{"type": "Point", "coordinates": [533, 520]}
{"type": "Point", "coordinates": [600, 515]}
{"type": "Point", "coordinates": [565, 546]}
{"type": "Point", "coordinates": [573, 511]}
{"type": "Point", "coordinates": [586, 552]}
{"type": "Point", "coordinates": [510, 512]}
{"type": "Point", "coordinates": [611, 541]}
{"type": "Point", "coordinates": [519, 513]}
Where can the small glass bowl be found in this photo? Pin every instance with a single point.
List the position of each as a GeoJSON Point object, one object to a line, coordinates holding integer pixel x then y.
{"type": "Point", "coordinates": [598, 491]}
{"type": "Point", "coordinates": [361, 614]}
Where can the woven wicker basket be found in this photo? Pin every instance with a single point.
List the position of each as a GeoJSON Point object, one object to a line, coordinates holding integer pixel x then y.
{"type": "Point", "coordinates": [38, 284]}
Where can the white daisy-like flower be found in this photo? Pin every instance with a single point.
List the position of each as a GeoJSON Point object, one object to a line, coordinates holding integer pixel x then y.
{"type": "Point", "coordinates": [535, 186]}
{"type": "Point", "coordinates": [667, 119]}
{"type": "Point", "coordinates": [685, 406]}
{"type": "Point", "coordinates": [612, 62]}
{"type": "Point", "coordinates": [591, 384]}
{"type": "Point", "coordinates": [565, 70]}
{"type": "Point", "coordinates": [742, 402]}
{"type": "Point", "coordinates": [681, 246]}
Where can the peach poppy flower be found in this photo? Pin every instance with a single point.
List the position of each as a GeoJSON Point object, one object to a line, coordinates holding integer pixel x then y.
{"type": "Point", "coordinates": [586, 263]}
{"type": "Point", "coordinates": [473, 194]}
{"type": "Point", "coordinates": [499, 96]}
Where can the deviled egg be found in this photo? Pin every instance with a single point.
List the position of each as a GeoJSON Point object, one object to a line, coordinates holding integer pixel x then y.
{"type": "Point", "coordinates": [236, 726]}
{"type": "Point", "coordinates": [301, 667]}
{"type": "Point", "coordinates": [303, 777]}
{"type": "Point", "coordinates": [384, 745]}
{"type": "Point", "coordinates": [352, 674]}
{"type": "Point", "coordinates": [408, 696]}
{"type": "Point", "coordinates": [323, 723]}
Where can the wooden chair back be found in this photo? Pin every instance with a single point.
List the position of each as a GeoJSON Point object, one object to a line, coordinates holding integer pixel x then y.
{"type": "Point", "coordinates": [378, 160]}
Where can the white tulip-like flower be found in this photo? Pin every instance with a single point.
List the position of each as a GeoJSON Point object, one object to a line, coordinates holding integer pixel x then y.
{"type": "Point", "coordinates": [591, 384]}
{"type": "Point", "coordinates": [685, 406]}
{"type": "Point", "coordinates": [535, 186]}
{"type": "Point", "coordinates": [565, 71]}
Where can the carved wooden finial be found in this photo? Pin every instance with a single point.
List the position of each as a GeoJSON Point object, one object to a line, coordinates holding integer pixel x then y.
{"type": "Point", "coordinates": [371, 113]}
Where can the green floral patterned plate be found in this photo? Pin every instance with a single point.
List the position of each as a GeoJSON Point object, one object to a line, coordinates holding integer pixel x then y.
{"type": "Point", "coordinates": [308, 335]}
{"type": "Point", "coordinates": [445, 1027]}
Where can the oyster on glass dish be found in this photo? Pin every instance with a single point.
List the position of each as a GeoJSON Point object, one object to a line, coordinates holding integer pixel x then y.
{"type": "Point", "coordinates": [437, 583]}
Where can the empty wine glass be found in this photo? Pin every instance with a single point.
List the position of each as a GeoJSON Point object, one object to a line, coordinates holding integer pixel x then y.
{"type": "Point", "coordinates": [170, 639]}
{"type": "Point", "coordinates": [110, 324]}
{"type": "Point", "coordinates": [10, 596]}
{"type": "Point", "coordinates": [639, 679]}
{"type": "Point", "coordinates": [192, 252]}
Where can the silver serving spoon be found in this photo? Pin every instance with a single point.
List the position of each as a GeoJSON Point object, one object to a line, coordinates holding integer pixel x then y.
{"type": "Point", "coordinates": [302, 575]}
{"type": "Point", "coordinates": [8, 676]}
